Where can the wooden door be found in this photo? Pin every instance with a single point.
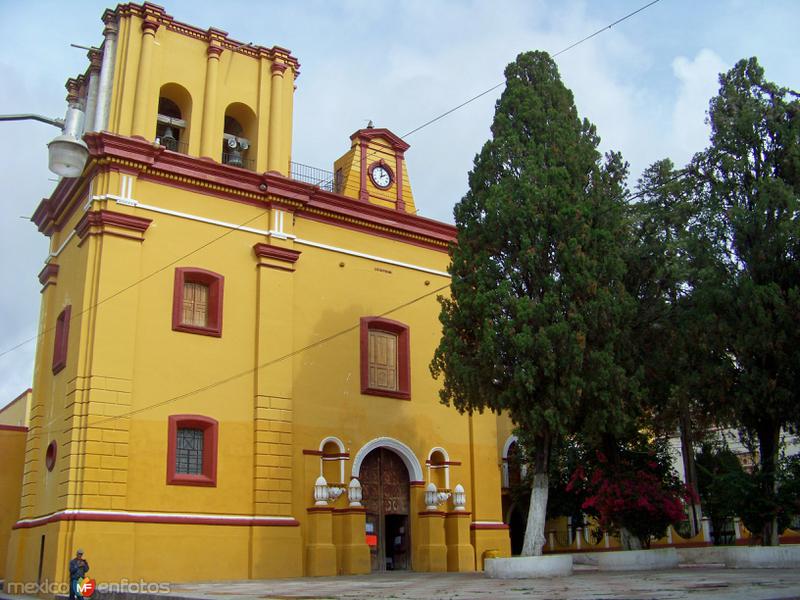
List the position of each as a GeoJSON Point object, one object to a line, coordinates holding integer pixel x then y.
{"type": "Point", "coordinates": [385, 485]}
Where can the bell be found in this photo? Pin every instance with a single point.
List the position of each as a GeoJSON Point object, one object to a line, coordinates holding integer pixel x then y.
{"type": "Point", "coordinates": [235, 158]}
{"type": "Point", "coordinates": [168, 140]}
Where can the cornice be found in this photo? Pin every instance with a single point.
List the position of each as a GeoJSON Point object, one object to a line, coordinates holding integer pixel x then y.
{"type": "Point", "coordinates": [153, 162]}
{"type": "Point", "coordinates": [276, 252]}
{"type": "Point", "coordinates": [370, 133]}
{"type": "Point", "coordinates": [101, 222]}
{"type": "Point", "coordinates": [156, 14]}
{"type": "Point", "coordinates": [48, 274]}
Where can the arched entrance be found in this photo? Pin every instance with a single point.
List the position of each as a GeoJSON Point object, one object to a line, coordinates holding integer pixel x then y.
{"type": "Point", "coordinates": [385, 484]}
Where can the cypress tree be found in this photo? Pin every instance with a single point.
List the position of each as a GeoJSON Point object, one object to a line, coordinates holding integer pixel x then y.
{"type": "Point", "coordinates": [750, 187]}
{"type": "Point", "coordinates": [535, 323]}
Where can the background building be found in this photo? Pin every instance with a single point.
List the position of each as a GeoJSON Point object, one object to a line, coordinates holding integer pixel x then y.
{"type": "Point", "coordinates": [232, 366]}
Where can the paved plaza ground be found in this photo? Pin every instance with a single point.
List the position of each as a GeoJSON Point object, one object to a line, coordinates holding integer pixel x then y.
{"type": "Point", "coordinates": [585, 584]}
{"type": "Point", "coordinates": [708, 582]}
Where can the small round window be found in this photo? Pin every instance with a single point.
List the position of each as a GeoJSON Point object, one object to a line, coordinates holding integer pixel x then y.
{"type": "Point", "coordinates": [50, 455]}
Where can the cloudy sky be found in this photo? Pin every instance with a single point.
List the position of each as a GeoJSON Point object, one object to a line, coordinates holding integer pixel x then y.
{"type": "Point", "coordinates": [645, 84]}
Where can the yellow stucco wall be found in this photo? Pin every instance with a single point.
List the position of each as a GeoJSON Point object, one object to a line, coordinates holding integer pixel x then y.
{"type": "Point", "coordinates": [12, 451]}
{"type": "Point", "coordinates": [283, 376]}
{"type": "Point", "coordinates": [17, 412]}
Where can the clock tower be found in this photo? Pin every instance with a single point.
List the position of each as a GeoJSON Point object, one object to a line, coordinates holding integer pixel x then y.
{"type": "Point", "coordinates": [373, 170]}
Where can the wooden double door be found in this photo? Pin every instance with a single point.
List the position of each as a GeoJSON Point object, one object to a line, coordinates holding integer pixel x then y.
{"type": "Point", "coordinates": [385, 485]}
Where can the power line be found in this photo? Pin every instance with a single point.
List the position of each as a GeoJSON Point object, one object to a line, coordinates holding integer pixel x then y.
{"type": "Point", "coordinates": [416, 129]}
{"type": "Point", "coordinates": [494, 87]}
{"type": "Point", "coordinates": [138, 281]}
{"type": "Point", "coordinates": [326, 339]}
{"type": "Point", "coordinates": [268, 363]}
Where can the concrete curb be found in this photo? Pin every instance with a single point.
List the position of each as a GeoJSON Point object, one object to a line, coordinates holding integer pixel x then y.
{"type": "Point", "coordinates": [638, 560]}
{"type": "Point", "coordinates": [711, 555]}
{"type": "Point", "coordinates": [762, 557]}
{"type": "Point", "coordinates": [526, 567]}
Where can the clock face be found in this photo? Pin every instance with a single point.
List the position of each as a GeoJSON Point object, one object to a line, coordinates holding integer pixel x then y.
{"type": "Point", "coordinates": [381, 176]}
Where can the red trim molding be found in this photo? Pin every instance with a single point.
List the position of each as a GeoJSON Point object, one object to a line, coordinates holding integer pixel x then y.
{"type": "Point", "coordinates": [369, 133]}
{"type": "Point", "coordinates": [319, 509]}
{"type": "Point", "coordinates": [47, 276]}
{"type": "Point", "coordinates": [154, 163]}
{"type": "Point", "coordinates": [61, 342]}
{"type": "Point", "coordinates": [398, 163]}
{"type": "Point", "coordinates": [109, 222]}
{"type": "Point", "coordinates": [432, 513]}
{"type": "Point", "coordinates": [416, 484]}
{"type": "Point", "coordinates": [313, 452]}
{"type": "Point", "coordinates": [132, 517]}
{"type": "Point", "coordinates": [487, 526]}
{"type": "Point", "coordinates": [215, 283]}
{"type": "Point", "coordinates": [276, 257]}
{"type": "Point", "coordinates": [19, 428]}
{"type": "Point", "coordinates": [350, 510]}
{"type": "Point", "coordinates": [210, 429]}
{"type": "Point", "coordinates": [403, 357]}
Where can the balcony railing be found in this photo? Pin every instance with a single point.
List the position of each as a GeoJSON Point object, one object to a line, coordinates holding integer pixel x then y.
{"type": "Point", "coordinates": [174, 145]}
{"type": "Point", "coordinates": [312, 175]}
{"type": "Point", "coordinates": [235, 159]}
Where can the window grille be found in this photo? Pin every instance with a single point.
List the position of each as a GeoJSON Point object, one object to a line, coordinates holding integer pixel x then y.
{"type": "Point", "coordinates": [189, 452]}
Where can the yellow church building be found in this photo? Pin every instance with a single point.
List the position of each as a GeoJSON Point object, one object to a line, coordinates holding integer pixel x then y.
{"type": "Point", "coordinates": [231, 377]}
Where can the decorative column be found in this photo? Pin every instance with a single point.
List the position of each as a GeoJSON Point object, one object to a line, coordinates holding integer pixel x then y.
{"type": "Point", "coordinates": [275, 157]}
{"type": "Point", "coordinates": [210, 142]}
{"type": "Point", "coordinates": [100, 121]}
{"type": "Point", "coordinates": [143, 125]}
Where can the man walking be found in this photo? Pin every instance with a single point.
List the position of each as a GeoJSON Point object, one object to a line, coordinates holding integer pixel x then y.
{"type": "Point", "coordinates": [77, 569]}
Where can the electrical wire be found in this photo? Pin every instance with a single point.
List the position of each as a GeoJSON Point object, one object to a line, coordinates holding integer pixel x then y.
{"type": "Point", "coordinates": [413, 131]}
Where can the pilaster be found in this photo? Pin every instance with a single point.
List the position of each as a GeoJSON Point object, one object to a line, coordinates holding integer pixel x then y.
{"type": "Point", "coordinates": [275, 158]}
{"type": "Point", "coordinates": [432, 549]}
{"type": "Point", "coordinates": [352, 550]}
{"type": "Point", "coordinates": [143, 124]}
{"type": "Point", "coordinates": [210, 141]}
{"type": "Point", "coordinates": [320, 551]}
{"type": "Point", "coordinates": [460, 553]}
{"type": "Point", "coordinates": [273, 402]}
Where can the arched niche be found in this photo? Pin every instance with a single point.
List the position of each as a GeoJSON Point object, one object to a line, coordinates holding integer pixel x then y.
{"type": "Point", "coordinates": [240, 136]}
{"type": "Point", "coordinates": [174, 117]}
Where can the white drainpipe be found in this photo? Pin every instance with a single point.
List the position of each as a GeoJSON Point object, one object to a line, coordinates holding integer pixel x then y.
{"type": "Point", "coordinates": [106, 74]}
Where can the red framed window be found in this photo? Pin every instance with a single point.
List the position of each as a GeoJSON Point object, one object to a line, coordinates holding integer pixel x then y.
{"type": "Point", "coordinates": [385, 358]}
{"type": "Point", "coordinates": [192, 450]}
{"type": "Point", "coordinates": [197, 301]}
{"type": "Point", "coordinates": [61, 340]}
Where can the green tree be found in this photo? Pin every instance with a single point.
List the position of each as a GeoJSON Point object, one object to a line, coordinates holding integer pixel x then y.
{"type": "Point", "coordinates": [750, 184]}
{"type": "Point", "coordinates": [533, 323]}
{"type": "Point", "coordinates": [675, 339]}
{"type": "Point", "coordinates": [722, 484]}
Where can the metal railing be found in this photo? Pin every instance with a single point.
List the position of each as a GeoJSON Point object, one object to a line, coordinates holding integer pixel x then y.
{"type": "Point", "coordinates": [174, 145]}
{"type": "Point", "coordinates": [312, 175]}
{"type": "Point", "coordinates": [235, 158]}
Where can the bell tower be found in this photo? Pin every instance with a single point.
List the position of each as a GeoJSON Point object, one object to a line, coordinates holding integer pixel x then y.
{"type": "Point", "coordinates": [374, 170]}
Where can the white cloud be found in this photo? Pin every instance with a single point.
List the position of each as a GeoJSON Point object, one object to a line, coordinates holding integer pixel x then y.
{"type": "Point", "coordinates": [698, 83]}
